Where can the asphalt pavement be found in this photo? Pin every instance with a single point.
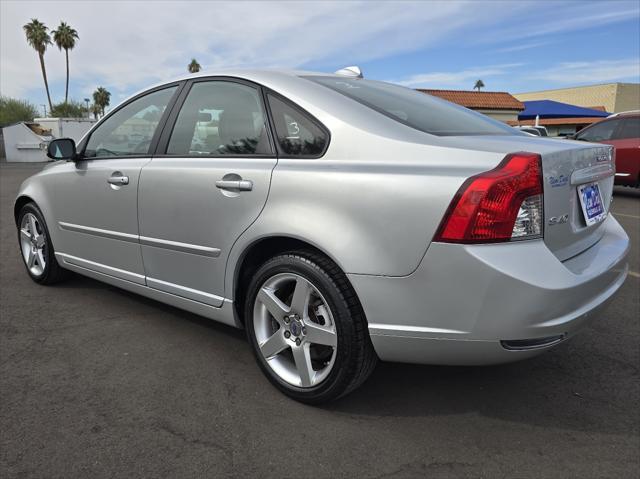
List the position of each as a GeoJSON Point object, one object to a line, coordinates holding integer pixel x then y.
{"type": "Point", "coordinates": [97, 382]}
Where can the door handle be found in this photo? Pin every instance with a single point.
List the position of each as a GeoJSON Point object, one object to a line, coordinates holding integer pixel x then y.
{"type": "Point", "coordinates": [118, 180]}
{"type": "Point", "coordinates": [240, 185]}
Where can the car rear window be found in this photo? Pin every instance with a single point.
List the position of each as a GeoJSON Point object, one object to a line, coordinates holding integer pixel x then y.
{"type": "Point", "coordinates": [415, 109]}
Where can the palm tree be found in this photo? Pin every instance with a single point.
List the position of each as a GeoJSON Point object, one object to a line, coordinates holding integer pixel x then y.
{"type": "Point", "coordinates": [38, 37]}
{"type": "Point", "coordinates": [101, 98]}
{"type": "Point", "coordinates": [479, 84]}
{"type": "Point", "coordinates": [65, 38]}
{"type": "Point", "coordinates": [194, 66]}
{"type": "Point", "coordinates": [95, 109]}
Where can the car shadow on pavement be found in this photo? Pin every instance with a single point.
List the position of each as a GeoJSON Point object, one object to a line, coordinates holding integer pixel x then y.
{"type": "Point", "coordinates": [572, 387]}
{"type": "Point", "coordinates": [553, 390]}
{"type": "Point", "coordinates": [626, 191]}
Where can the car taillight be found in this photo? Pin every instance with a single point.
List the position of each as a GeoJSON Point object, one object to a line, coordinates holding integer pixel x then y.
{"type": "Point", "coordinates": [502, 204]}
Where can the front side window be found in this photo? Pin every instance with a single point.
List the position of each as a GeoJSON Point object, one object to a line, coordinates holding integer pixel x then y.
{"type": "Point", "coordinates": [629, 128]}
{"type": "Point", "coordinates": [298, 135]}
{"type": "Point", "coordinates": [599, 132]}
{"type": "Point", "coordinates": [128, 132]}
{"type": "Point", "coordinates": [415, 109]}
{"type": "Point", "coordinates": [220, 118]}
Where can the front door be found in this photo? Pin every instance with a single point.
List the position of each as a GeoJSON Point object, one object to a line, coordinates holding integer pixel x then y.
{"type": "Point", "coordinates": [209, 183]}
{"type": "Point", "coordinates": [96, 198]}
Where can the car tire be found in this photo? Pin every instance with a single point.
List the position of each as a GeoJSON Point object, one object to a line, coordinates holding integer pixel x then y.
{"type": "Point", "coordinates": [37, 250]}
{"type": "Point", "coordinates": [331, 308]}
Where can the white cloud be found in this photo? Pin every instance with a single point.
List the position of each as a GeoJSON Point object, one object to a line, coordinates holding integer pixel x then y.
{"type": "Point", "coordinates": [592, 72]}
{"type": "Point", "coordinates": [522, 46]}
{"type": "Point", "coordinates": [464, 79]}
{"type": "Point", "coordinates": [550, 18]}
{"type": "Point", "coordinates": [128, 44]}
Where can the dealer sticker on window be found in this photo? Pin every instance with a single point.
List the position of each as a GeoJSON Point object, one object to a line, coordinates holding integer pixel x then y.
{"type": "Point", "coordinates": [591, 202]}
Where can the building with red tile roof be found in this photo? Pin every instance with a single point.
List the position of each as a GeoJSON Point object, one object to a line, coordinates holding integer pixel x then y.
{"type": "Point", "coordinates": [496, 104]}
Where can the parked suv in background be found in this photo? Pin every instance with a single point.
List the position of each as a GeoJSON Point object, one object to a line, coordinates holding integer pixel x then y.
{"type": "Point", "coordinates": [622, 130]}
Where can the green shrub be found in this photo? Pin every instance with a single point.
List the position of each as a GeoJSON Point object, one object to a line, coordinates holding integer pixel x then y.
{"type": "Point", "coordinates": [13, 110]}
{"type": "Point", "coordinates": [71, 109]}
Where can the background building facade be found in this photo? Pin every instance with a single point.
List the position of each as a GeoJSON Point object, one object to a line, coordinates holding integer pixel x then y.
{"type": "Point", "coordinates": [614, 97]}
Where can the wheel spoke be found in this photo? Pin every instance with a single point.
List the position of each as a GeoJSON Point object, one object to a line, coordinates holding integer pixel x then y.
{"type": "Point", "coordinates": [300, 298]}
{"type": "Point", "coordinates": [319, 335]}
{"type": "Point", "coordinates": [32, 226]}
{"type": "Point", "coordinates": [24, 233]}
{"type": "Point", "coordinates": [32, 258]}
{"type": "Point", "coordinates": [302, 358]}
{"type": "Point", "coordinates": [40, 258]}
{"type": "Point", "coordinates": [276, 307]}
{"type": "Point", "coordinates": [274, 345]}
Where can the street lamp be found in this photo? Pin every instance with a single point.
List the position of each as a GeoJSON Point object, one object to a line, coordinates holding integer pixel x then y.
{"type": "Point", "coordinates": [87, 102]}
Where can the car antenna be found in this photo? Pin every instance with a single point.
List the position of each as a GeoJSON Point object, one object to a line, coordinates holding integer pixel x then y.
{"type": "Point", "coordinates": [352, 71]}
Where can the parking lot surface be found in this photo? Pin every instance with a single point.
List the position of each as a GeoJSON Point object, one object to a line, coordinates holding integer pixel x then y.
{"type": "Point", "coordinates": [98, 382]}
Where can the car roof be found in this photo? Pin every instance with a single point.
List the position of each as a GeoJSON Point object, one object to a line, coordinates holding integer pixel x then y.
{"type": "Point", "coordinates": [625, 114]}
{"type": "Point", "coordinates": [262, 76]}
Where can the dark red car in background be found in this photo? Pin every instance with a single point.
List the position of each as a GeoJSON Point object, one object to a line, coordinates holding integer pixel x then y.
{"type": "Point", "coordinates": [621, 130]}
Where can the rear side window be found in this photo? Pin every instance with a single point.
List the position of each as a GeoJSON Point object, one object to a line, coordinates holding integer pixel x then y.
{"type": "Point", "coordinates": [220, 118]}
{"type": "Point", "coordinates": [298, 134]}
{"type": "Point", "coordinates": [602, 131]}
{"type": "Point", "coordinates": [629, 128]}
{"type": "Point", "coordinates": [415, 109]}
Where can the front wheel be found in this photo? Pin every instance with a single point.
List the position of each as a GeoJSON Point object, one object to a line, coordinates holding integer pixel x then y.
{"type": "Point", "coordinates": [307, 328]}
{"type": "Point", "coordinates": [36, 248]}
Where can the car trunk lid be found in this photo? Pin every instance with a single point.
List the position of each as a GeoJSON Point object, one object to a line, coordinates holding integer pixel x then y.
{"type": "Point", "coordinates": [568, 167]}
{"type": "Point", "coordinates": [573, 179]}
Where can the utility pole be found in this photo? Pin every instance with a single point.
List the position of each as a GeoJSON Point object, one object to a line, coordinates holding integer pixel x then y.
{"type": "Point", "coordinates": [45, 109]}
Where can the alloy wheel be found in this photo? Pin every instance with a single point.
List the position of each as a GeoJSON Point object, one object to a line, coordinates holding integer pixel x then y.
{"type": "Point", "coordinates": [33, 243]}
{"type": "Point", "coordinates": [295, 330]}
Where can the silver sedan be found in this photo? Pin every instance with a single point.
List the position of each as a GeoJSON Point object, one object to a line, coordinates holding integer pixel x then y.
{"type": "Point", "coordinates": [338, 220]}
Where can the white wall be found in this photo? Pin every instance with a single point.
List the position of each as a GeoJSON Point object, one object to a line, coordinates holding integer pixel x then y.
{"type": "Point", "coordinates": [23, 145]}
{"type": "Point", "coordinates": [67, 127]}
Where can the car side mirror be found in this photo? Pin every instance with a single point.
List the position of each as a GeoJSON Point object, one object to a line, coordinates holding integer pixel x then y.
{"type": "Point", "coordinates": [62, 149]}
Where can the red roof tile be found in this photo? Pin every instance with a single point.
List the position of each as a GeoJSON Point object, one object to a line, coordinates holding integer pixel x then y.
{"type": "Point", "coordinates": [489, 100]}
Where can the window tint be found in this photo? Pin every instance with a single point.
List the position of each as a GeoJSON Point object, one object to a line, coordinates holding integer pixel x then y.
{"type": "Point", "coordinates": [130, 129]}
{"type": "Point", "coordinates": [297, 133]}
{"type": "Point", "coordinates": [602, 131]}
{"type": "Point", "coordinates": [415, 109]}
{"type": "Point", "coordinates": [220, 118]}
{"type": "Point", "coordinates": [629, 128]}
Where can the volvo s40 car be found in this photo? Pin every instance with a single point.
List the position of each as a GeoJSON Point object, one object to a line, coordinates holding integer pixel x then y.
{"type": "Point", "coordinates": [338, 220]}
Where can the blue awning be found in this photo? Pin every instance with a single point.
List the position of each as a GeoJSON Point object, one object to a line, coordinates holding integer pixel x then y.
{"type": "Point", "coordinates": [555, 109]}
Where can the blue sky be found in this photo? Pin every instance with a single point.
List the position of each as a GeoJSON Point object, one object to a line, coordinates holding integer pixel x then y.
{"type": "Point", "coordinates": [511, 45]}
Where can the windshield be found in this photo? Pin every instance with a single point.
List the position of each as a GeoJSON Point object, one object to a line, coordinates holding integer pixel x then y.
{"type": "Point", "coordinates": [415, 109]}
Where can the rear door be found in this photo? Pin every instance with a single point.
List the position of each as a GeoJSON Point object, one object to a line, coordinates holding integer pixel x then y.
{"type": "Point", "coordinates": [626, 140]}
{"type": "Point", "coordinates": [206, 184]}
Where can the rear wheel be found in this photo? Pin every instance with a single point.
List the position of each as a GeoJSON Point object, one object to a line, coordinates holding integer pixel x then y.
{"type": "Point", "coordinates": [36, 248]}
{"type": "Point", "coordinates": [307, 328]}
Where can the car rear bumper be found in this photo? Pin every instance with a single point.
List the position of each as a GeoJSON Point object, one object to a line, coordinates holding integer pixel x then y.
{"type": "Point", "coordinates": [487, 304]}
